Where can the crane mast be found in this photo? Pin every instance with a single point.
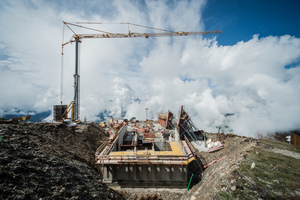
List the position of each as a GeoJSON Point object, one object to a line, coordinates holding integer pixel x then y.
{"type": "Point", "coordinates": [77, 38]}
{"type": "Point", "coordinates": [76, 83]}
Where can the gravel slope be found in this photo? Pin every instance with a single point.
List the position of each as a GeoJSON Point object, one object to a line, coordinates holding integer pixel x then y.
{"type": "Point", "coordinates": [51, 162]}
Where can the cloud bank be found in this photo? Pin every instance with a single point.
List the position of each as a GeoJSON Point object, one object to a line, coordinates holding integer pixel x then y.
{"type": "Point", "coordinates": [248, 86]}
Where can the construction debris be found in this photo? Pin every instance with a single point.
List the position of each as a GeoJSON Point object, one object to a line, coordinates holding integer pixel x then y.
{"type": "Point", "coordinates": [214, 146]}
{"type": "Point", "coordinates": [165, 119]}
{"type": "Point", "coordinates": [205, 166]}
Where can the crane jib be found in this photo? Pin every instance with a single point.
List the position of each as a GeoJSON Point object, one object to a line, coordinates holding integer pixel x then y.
{"type": "Point", "coordinates": [145, 35]}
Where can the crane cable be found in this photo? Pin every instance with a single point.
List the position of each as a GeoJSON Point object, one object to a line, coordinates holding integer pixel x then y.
{"type": "Point", "coordinates": [62, 66]}
{"type": "Point", "coordinates": [84, 28]}
{"type": "Point", "coordinates": [146, 27]}
{"type": "Point", "coordinates": [128, 23]}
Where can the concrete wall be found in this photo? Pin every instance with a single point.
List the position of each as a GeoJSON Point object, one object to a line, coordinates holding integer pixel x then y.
{"type": "Point", "coordinates": [121, 134]}
{"type": "Point", "coordinates": [119, 140]}
{"type": "Point", "coordinates": [127, 175]}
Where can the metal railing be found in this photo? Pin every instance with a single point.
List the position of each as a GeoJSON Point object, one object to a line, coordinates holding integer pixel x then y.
{"type": "Point", "coordinates": [144, 159]}
{"type": "Point", "coordinates": [105, 158]}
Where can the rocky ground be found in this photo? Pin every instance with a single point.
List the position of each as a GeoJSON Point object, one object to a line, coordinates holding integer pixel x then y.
{"type": "Point", "coordinates": [44, 161]}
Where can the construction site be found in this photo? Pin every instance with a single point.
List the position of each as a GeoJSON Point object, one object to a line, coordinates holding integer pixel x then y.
{"type": "Point", "coordinates": [151, 154]}
{"type": "Point", "coordinates": [168, 157]}
{"type": "Point", "coordinates": [129, 160]}
{"type": "Point", "coordinates": [148, 154]}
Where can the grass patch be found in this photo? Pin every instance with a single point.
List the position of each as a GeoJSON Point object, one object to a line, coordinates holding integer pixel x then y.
{"type": "Point", "coordinates": [225, 196]}
{"type": "Point", "coordinates": [275, 176]}
{"type": "Point", "coordinates": [278, 144]}
{"type": "Point", "coordinates": [244, 194]}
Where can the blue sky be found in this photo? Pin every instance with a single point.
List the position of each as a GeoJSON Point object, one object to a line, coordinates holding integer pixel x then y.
{"type": "Point", "coordinates": [252, 69]}
{"type": "Point", "coordinates": [241, 19]}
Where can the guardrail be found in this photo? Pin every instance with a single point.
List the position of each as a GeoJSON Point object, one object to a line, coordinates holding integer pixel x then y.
{"type": "Point", "coordinates": [189, 145]}
{"type": "Point", "coordinates": [105, 158]}
{"type": "Point", "coordinates": [144, 159]}
{"type": "Point", "coordinates": [100, 149]}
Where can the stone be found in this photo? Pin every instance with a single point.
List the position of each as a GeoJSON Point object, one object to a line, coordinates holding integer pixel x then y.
{"type": "Point", "coordinates": [22, 196]}
{"type": "Point", "coordinates": [193, 198]}
{"type": "Point", "coordinates": [233, 188]}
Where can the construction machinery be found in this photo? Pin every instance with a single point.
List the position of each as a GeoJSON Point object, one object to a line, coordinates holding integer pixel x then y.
{"type": "Point", "coordinates": [103, 124]}
{"type": "Point", "coordinates": [61, 112]}
{"type": "Point", "coordinates": [15, 120]}
{"type": "Point", "coordinates": [77, 38]}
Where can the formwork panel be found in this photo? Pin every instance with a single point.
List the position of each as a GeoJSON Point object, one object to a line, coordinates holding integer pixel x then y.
{"type": "Point", "coordinates": [145, 175]}
{"type": "Point", "coordinates": [146, 168]}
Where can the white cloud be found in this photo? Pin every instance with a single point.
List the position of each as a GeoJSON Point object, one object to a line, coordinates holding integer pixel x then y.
{"type": "Point", "coordinates": [252, 76]}
{"type": "Point", "coordinates": [248, 79]}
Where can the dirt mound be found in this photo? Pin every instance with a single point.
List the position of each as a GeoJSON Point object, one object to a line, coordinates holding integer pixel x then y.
{"type": "Point", "coordinates": [51, 162]}
{"type": "Point", "coordinates": [217, 176]}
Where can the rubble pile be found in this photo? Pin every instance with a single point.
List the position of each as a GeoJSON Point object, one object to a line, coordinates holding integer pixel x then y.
{"type": "Point", "coordinates": [51, 162]}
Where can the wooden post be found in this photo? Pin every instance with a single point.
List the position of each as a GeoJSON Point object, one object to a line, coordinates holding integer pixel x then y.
{"type": "Point", "coordinates": [295, 138]}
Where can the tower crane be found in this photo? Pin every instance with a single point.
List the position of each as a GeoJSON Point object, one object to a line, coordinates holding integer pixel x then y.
{"type": "Point", "coordinates": [77, 38]}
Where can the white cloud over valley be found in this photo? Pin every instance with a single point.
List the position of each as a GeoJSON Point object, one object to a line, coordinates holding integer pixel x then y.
{"type": "Point", "coordinates": [249, 79]}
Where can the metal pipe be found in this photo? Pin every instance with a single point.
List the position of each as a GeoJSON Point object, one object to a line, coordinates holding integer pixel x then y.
{"type": "Point", "coordinates": [198, 129]}
{"type": "Point", "coordinates": [191, 134]}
